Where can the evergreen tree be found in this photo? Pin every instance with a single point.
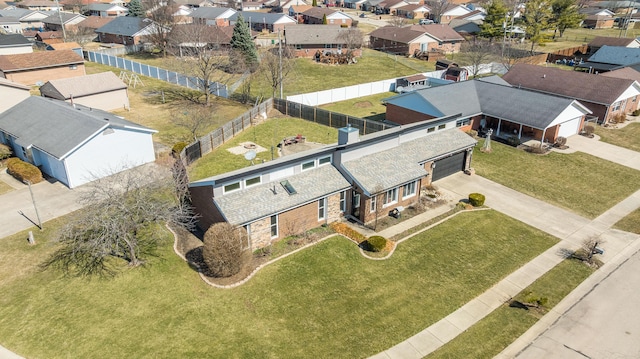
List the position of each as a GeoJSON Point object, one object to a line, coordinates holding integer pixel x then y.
{"type": "Point", "coordinates": [565, 16]}
{"type": "Point", "coordinates": [493, 23]}
{"type": "Point", "coordinates": [135, 8]}
{"type": "Point", "coordinates": [324, 19]}
{"type": "Point", "coordinates": [537, 19]}
{"type": "Point", "coordinates": [314, 3]}
{"type": "Point", "coordinates": [241, 41]}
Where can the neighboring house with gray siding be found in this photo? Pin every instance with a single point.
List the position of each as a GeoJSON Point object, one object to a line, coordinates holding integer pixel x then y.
{"type": "Point", "coordinates": [104, 91]}
{"type": "Point", "coordinates": [362, 177]}
{"type": "Point", "coordinates": [74, 144]}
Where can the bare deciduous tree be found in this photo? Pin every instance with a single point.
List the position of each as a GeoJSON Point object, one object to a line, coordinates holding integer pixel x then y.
{"type": "Point", "coordinates": [353, 39]}
{"type": "Point", "coordinates": [194, 119]}
{"type": "Point", "coordinates": [437, 8]}
{"type": "Point", "coordinates": [476, 53]}
{"type": "Point", "coordinates": [222, 251]}
{"type": "Point", "coordinates": [161, 12]}
{"type": "Point", "coordinates": [120, 220]}
{"type": "Point", "coordinates": [398, 21]}
{"type": "Point", "coordinates": [276, 69]}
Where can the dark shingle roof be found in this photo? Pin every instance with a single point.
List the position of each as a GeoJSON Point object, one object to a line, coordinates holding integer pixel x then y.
{"type": "Point", "coordinates": [261, 17]}
{"type": "Point", "coordinates": [260, 201]}
{"type": "Point", "coordinates": [209, 12]}
{"type": "Point", "coordinates": [624, 73]}
{"type": "Point", "coordinates": [56, 127]}
{"type": "Point", "coordinates": [573, 84]}
{"type": "Point", "coordinates": [439, 32]}
{"type": "Point", "coordinates": [399, 34]}
{"type": "Point", "coordinates": [319, 12]}
{"type": "Point", "coordinates": [125, 26]}
{"type": "Point", "coordinates": [600, 41]}
{"type": "Point", "coordinates": [13, 40]}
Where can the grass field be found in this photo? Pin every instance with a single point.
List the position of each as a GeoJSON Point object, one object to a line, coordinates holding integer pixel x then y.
{"type": "Point", "coordinates": [4, 188]}
{"type": "Point", "coordinates": [267, 134]}
{"type": "Point", "coordinates": [364, 107]}
{"type": "Point", "coordinates": [578, 182]}
{"type": "Point", "coordinates": [327, 300]}
{"type": "Point", "coordinates": [581, 36]}
{"type": "Point", "coordinates": [148, 109]}
{"type": "Point", "coordinates": [630, 223]}
{"type": "Point", "coordinates": [626, 137]}
{"type": "Point", "coordinates": [495, 332]}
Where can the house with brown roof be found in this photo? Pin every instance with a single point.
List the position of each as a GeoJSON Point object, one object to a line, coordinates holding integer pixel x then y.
{"type": "Point", "coordinates": [445, 38]}
{"type": "Point", "coordinates": [77, 48]}
{"type": "Point", "coordinates": [69, 20]}
{"type": "Point", "coordinates": [391, 6]}
{"type": "Point", "coordinates": [50, 37]}
{"type": "Point", "coordinates": [44, 5]}
{"type": "Point", "coordinates": [624, 73]}
{"type": "Point", "coordinates": [414, 11]}
{"type": "Point", "coordinates": [41, 66]}
{"type": "Point", "coordinates": [307, 40]}
{"type": "Point", "coordinates": [187, 37]}
{"type": "Point", "coordinates": [12, 93]}
{"type": "Point", "coordinates": [104, 91]}
{"type": "Point", "coordinates": [316, 15]}
{"type": "Point", "coordinates": [399, 40]}
{"type": "Point", "coordinates": [595, 44]}
{"type": "Point", "coordinates": [93, 22]}
{"type": "Point", "coordinates": [597, 18]}
{"type": "Point", "coordinates": [295, 11]}
{"type": "Point", "coordinates": [606, 97]}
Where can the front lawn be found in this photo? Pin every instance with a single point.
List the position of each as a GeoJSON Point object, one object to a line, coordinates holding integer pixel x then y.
{"type": "Point", "coordinates": [327, 300]}
{"type": "Point", "coordinates": [268, 135]}
{"type": "Point", "coordinates": [630, 223]}
{"type": "Point", "coordinates": [495, 332]}
{"type": "Point", "coordinates": [626, 137]}
{"type": "Point", "coordinates": [584, 184]}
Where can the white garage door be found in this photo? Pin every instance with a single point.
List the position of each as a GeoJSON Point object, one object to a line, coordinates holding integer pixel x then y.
{"type": "Point", "coordinates": [569, 128]}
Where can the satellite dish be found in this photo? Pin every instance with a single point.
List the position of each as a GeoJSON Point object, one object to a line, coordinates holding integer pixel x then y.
{"type": "Point", "coordinates": [250, 155]}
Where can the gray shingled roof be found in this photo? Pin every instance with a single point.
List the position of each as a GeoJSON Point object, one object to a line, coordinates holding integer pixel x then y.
{"type": "Point", "coordinates": [260, 17]}
{"type": "Point", "coordinates": [56, 127]}
{"type": "Point", "coordinates": [616, 55]}
{"type": "Point", "coordinates": [313, 34]}
{"type": "Point", "coordinates": [402, 163]}
{"type": "Point", "coordinates": [470, 98]}
{"type": "Point", "coordinates": [125, 25]}
{"type": "Point", "coordinates": [260, 201]}
{"type": "Point", "coordinates": [209, 12]}
{"type": "Point", "coordinates": [66, 17]}
{"type": "Point", "coordinates": [82, 85]}
{"type": "Point", "coordinates": [10, 40]}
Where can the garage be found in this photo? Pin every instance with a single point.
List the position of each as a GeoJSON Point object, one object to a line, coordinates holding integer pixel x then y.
{"type": "Point", "coordinates": [447, 166]}
{"type": "Point", "coordinates": [570, 128]}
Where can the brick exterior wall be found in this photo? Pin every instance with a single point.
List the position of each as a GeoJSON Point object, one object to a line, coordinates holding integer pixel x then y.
{"type": "Point", "coordinates": [393, 46]}
{"type": "Point", "coordinates": [202, 200]}
{"type": "Point", "coordinates": [367, 216]}
{"type": "Point", "coordinates": [403, 116]}
{"type": "Point", "coordinates": [117, 39]}
{"type": "Point", "coordinates": [445, 47]}
{"type": "Point", "coordinates": [44, 75]}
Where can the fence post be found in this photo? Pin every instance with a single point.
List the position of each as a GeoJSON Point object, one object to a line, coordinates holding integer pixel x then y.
{"type": "Point", "coordinates": [315, 116]}
{"type": "Point", "coordinates": [330, 118]}
{"type": "Point", "coordinates": [364, 126]}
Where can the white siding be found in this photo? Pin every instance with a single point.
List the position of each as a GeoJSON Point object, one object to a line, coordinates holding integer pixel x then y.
{"type": "Point", "coordinates": [107, 154]}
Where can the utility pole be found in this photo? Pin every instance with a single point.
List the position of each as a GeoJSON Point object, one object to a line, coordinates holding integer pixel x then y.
{"type": "Point", "coordinates": [64, 32]}
{"type": "Point", "coordinates": [33, 199]}
{"type": "Point", "coordinates": [280, 62]}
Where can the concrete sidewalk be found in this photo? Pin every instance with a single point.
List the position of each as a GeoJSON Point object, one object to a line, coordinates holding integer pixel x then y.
{"type": "Point", "coordinates": [569, 227]}
{"type": "Point", "coordinates": [604, 150]}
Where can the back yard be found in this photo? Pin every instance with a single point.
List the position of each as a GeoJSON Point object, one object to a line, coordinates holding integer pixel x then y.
{"type": "Point", "coordinates": [370, 107]}
{"type": "Point", "coordinates": [579, 182]}
{"type": "Point", "coordinates": [327, 300]}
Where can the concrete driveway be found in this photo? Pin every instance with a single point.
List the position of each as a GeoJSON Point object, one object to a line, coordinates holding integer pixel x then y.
{"type": "Point", "coordinates": [603, 324]}
{"type": "Point", "coordinates": [604, 150]}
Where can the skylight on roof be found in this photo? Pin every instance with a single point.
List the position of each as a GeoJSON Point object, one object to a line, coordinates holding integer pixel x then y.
{"type": "Point", "coordinates": [288, 187]}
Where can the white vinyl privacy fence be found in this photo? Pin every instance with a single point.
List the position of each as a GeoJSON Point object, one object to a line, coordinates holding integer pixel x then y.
{"type": "Point", "coordinates": [191, 82]}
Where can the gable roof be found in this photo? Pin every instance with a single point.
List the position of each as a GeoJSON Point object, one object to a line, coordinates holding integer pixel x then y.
{"type": "Point", "coordinates": [533, 109]}
{"type": "Point", "coordinates": [44, 35]}
{"type": "Point", "coordinates": [573, 84]}
{"type": "Point", "coordinates": [21, 13]}
{"type": "Point", "coordinates": [211, 12]}
{"type": "Point", "coordinates": [95, 22]}
{"type": "Point", "coordinates": [440, 32]}
{"type": "Point", "coordinates": [399, 34]}
{"type": "Point", "coordinates": [414, 7]}
{"type": "Point", "coordinates": [313, 34]}
{"type": "Point", "coordinates": [623, 73]}
{"type": "Point", "coordinates": [79, 86]}
{"type": "Point", "coordinates": [126, 26]}
{"type": "Point", "coordinates": [64, 46]}
{"type": "Point", "coordinates": [8, 83]}
{"type": "Point", "coordinates": [299, 8]}
{"type": "Point", "coordinates": [600, 41]}
{"type": "Point", "coordinates": [616, 55]}
{"type": "Point", "coordinates": [12, 40]}
{"type": "Point", "coordinates": [66, 17]}
{"type": "Point", "coordinates": [56, 127]}
{"type": "Point", "coordinates": [9, 20]}
{"type": "Point", "coordinates": [262, 17]}
{"type": "Point", "coordinates": [596, 11]}
{"type": "Point", "coordinates": [319, 12]}
{"type": "Point", "coordinates": [38, 60]}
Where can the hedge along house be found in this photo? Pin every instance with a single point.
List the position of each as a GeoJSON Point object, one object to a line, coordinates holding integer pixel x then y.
{"type": "Point", "coordinates": [492, 103]}
{"type": "Point", "coordinates": [606, 97]}
{"type": "Point", "coordinates": [299, 192]}
{"type": "Point", "coordinates": [74, 144]}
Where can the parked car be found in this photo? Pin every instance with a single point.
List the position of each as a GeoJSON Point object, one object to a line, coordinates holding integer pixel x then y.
{"type": "Point", "coordinates": [425, 21]}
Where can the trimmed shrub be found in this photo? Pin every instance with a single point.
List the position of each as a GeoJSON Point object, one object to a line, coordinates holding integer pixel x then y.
{"type": "Point", "coordinates": [589, 130]}
{"type": "Point", "coordinates": [222, 251]}
{"type": "Point", "coordinates": [513, 141]}
{"type": "Point", "coordinates": [178, 147]}
{"type": "Point", "coordinates": [376, 243]}
{"type": "Point", "coordinates": [636, 113]}
{"type": "Point", "coordinates": [23, 171]}
{"type": "Point", "coordinates": [476, 199]}
{"type": "Point", "coordinates": [5, 151]}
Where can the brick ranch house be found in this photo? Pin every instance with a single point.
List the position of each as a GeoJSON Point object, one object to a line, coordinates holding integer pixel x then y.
{"type": "Point", "coordinates": [361, 177]}
{"type": "Point", "coordinates": [417, 38]}
{"type": "Point", "coordinates": [306, 40]}
{"type": "Point", "coordinates": [41, 66]}
{"type": "Point", "coordinates": [492, 103]}
{"type": "Point", "coordinates": [606, 97]}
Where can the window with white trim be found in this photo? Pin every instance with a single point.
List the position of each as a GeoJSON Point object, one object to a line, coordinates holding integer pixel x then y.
{"type": "Point", "coordinates": [391, 196]}
{"type": "Point", "coordinates": [343, 201]}
{"type": "Point", "coordinates": [322, 209]}
{"type": "Point", "coordinates": [409, 190]}
{"type": "Point", "coordinates": [231, 187]}
{"type": "Point", "coordinates": [431, 129]}
{"type": "Point", "coordinates": [373, 204]}
{"type": "Point", "coordinates": [252, 181]}
{"type": "Point", "coordinates": [324, 160]}
{"type": "Point", "coordinates": [274, 226]}
{"type": "Point", "coordinates": [616, 106]}
{"type": "Point", "coordinates": [442, 127]}
{"type": "Point", "coordinates": [308, 165]}
{"type": "Point", "coordinates": [463, 122]}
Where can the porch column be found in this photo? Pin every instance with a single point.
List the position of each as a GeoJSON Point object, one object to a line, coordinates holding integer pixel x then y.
{"type": "Point", "coordinates": [544, 132]}
{"type": "Point", "coordinates": [499, 124]}
{"type": "Point", "coordinates": [520, 132]}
